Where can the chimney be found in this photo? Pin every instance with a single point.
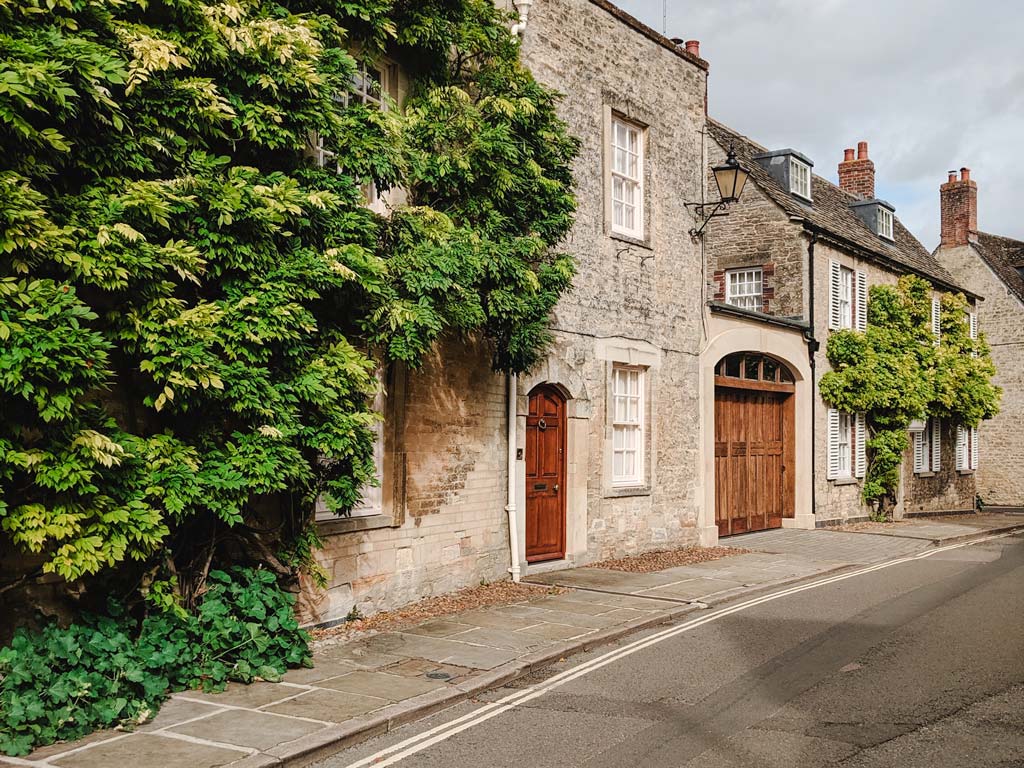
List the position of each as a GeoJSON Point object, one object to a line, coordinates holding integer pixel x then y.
{"type": "Point", "coordinates": [693, 46]}
{"type": "Point", "coordinates": [959, 208]}
{"type": "Point", "coordinates": [858, 176]}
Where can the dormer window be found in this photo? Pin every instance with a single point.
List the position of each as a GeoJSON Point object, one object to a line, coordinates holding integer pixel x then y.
{"type": "Point", "coordinates": [885, 223]}
{"type": "Point", "coordinates": [878, 215]}
{"type": "Point", "coordinates": [791, 169]}
{"type": "Point", "coordinates": [799, 178]}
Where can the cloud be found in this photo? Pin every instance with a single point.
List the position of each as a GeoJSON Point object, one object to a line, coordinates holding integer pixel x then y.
{"type": "Point", "coordinates": [930, 84]}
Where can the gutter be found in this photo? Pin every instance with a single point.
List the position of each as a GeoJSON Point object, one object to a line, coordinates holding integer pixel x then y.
{"type": "Point", "coordinates": [510, 506]}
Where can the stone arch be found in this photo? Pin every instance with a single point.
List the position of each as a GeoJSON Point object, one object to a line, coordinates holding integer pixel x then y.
{"type": "Point", "coordinates": [726, 336]}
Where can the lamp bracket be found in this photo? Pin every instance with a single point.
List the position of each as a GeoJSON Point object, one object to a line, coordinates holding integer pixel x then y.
{"type": "Point", "coordinates": [700, 211]}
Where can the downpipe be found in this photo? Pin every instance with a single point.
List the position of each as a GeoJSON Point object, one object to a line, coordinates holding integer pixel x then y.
{"type": "Point", "coordinates": [510, 506]}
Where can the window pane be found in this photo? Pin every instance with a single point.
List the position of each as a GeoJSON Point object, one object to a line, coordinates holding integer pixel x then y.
{"type": "Point", "coordinates": [750, 368]}
{"type": "Point", "coordinates": [732, 366]}
{"type": "Point", "coordinates": [769, 369]}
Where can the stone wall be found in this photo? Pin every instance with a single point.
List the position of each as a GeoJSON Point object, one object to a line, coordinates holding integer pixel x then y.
{"type": "Point", "coordinates": [636, 301]}
{"type": "Point", "coordinates": [1001, 321]}
{"type": "Point", "coordinates": [756, 233]}
{"type": "Point", "coordinates": [841, 499]}
{"type": "Point", "coordinates": [445, 486]}
{"type": "Point", "coordinates": [633, 301]}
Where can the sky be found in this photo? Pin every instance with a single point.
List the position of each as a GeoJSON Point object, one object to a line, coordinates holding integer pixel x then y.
{"type": "Point", "coordinates": [931, 85]}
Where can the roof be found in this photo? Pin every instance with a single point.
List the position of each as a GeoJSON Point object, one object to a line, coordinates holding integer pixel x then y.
{"type": "Point", "coordinates": [831, 215]}
{"type": "Point", "coordinates": [1004, 256]}
{"type": "Point", "coordinates": [649, 33]}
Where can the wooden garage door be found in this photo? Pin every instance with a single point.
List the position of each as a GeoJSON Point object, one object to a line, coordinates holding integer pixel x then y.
{"type": "Point", "coordinates": [753, 449]}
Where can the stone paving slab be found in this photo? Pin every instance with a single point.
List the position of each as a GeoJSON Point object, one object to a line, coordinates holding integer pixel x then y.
{"type": "Point", "coordinates": [941, 531]}
{"type": "Point", "coordinates": [363, 688]}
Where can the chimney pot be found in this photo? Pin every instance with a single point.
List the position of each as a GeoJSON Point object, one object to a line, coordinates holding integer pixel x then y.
{"type": "Point", "coordinates": [862, 150]}
{"type": "Point", "coordinates": [848, 155]}
{"type": "Point", "coordinates": [952, 176]}
{"type": "Point", "coordinates": [678, 41]}
{"type": "Point", "coordinates": [965, 174]}
{"type": "Point", "coordinates": [693, 46]}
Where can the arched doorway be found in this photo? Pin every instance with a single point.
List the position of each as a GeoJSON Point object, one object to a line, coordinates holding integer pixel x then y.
{"type": "Point", "coordinates": [754, 443]}
{"type": "Point", "coordinates": [545, 475]}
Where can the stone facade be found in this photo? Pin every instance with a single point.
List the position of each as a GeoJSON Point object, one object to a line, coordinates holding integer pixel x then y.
{"type": "Point", "coordinates": [1001, 321]}
{"type": "Point", "coordinates": [635, 301]}
{"type": "Point", "coordinates": [758, 231]}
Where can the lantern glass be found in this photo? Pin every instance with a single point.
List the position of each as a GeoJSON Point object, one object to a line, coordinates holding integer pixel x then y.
{"type": "Point", "coordinates": [730, 179]}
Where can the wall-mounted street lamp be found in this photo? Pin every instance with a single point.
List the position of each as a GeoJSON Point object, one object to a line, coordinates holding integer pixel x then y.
{"type": "Point", "coordinates": [730, 178]}
{"type": "Point", "coordinates": [523, 7]}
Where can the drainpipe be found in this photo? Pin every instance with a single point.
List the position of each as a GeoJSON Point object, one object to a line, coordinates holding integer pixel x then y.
{"type": "Point", "coordinates": [510, 507]}
{"type": "Point", "coordinates": [812, 349]}
{"type": "Point", "coordinates": [523, 6]}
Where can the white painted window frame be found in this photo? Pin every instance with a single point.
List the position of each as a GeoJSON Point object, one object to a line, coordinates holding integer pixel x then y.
{"type": "Point", "coordinates": [886, 223]}
{"type": "Point", "coordinates": [744, 288]}
{"type": "Point", "coordinates": [799, 178]}
{"type": "Point", "coordinates": [966, 448]}
{"type": "Point", "coordinates": [928, 447]}
{"type": "Point", "coordinates": [372, 502]}
{"type": "Point", "coordinates": [840, 432]}
{"type": "Point", "coordinates": [627, 417]}
{"type": "Point", "coordinates": [847, 298]}
{"type": "Point", "coordinates": [621, 171]}
{"type": "Point", "coordinates": [386, 75]}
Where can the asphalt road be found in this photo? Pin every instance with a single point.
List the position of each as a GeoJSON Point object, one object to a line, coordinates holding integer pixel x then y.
{"type": "Point", "coordinates": [918, 664]}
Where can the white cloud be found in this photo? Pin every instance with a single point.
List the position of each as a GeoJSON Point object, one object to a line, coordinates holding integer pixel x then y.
{"type": "Point", "coordinates": [930, 84]}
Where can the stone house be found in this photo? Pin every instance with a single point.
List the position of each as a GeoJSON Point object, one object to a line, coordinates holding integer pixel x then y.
{"type": "Point", "coordinates": [792, 262]}
{"type": "Point", "coordinates": [993, 267]}
{"type": "Point", "coordinates": [603, 454]}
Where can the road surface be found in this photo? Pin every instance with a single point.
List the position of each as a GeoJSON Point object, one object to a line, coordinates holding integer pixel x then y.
{"type": "Point", "coordinates": [915, 664]}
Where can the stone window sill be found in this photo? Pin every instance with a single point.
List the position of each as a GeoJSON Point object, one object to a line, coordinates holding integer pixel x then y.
{"type": "Point", "coordinates": [618, 492]}
{"type": "Point", "coordinates": [965, 471]}
{"type": "Point", "coordinates": [844, 481]}
{"type": "Point", "coordinates": [645, 244]}
{"type": "Point", "coordinates": [340, 525]}
{"type": "Point", "coordinates": [924, 474]}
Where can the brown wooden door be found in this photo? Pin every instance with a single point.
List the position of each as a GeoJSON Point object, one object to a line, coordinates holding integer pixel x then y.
{"type": "Point", "coordinates": [754, 445]}
{"type": "Point", "coordinates": [545, 476]}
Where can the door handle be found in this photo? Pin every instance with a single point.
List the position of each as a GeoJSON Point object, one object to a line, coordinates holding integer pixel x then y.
{"type": "Point", "coordinates": [555, 486]}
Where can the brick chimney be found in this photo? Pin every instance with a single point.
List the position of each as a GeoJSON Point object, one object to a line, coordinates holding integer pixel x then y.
{"type": "Point", "coordinates": [959, 205]}
{"type": "Point", "coordinates": [857, 176]}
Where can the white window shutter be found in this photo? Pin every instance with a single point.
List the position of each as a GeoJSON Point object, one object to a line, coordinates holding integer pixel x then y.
{"type": "Point", "coordinates": [860, 463]}
{"type": "Point", "coordinates": [834, 287]}
{"type": "Point", "coordinates": [862, 301]}
{"type": "Point", "coordinates": [974, 324]}
{"type": "Point", "coordinates": [936, 444]}
{"type": "Point", "coordinates": [918, 438]}
{"type": "Point", "coordinates": [961, 447]}
{"type": "Point", "coordinates": [974, 447]}
{"type": "Point", "coordinates": [833, 443]}
{"type": "Point", "coordinates": [936, 317]}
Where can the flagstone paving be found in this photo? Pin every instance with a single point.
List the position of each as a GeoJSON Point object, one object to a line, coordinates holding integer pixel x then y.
{"type": "Point", "coordinates": [364, 687]}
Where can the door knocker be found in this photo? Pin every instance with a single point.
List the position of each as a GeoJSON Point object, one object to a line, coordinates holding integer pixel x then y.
{"type": "Point", "coordinates": [542, 425]}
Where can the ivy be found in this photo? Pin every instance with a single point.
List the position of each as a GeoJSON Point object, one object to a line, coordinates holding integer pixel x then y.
{"type": "Point", "coordinates": [192, 312]}
{"type": "Point", "coordinates": [111, 670]}
{"type": "Point", "coordinates": [896, 372]}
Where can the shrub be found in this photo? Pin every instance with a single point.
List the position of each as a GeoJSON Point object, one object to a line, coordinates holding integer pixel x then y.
{"type": "Point", "coordinates": [104, 671]}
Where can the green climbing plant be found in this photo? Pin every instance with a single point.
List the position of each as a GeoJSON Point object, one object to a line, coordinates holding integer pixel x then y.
{"type": "Point", "coordinates": [896, 371]}
{"type": "Point", "coordinates": [192, 310]}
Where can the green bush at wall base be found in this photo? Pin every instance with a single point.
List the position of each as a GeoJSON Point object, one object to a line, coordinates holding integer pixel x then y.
{"type": "Point", "coordinates": [63, 683]}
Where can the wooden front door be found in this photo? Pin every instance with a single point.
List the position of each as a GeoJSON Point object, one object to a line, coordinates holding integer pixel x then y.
{"type": "Point", "coordinates": [754, 445]}
{"type": "Point", "coordinates": [545, 476]}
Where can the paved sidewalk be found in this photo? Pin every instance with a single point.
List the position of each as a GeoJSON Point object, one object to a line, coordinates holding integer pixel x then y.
{"type": "Point", "coordinates": [943, 530]}
{"type": "Point", "coordinates": [368, 686]}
